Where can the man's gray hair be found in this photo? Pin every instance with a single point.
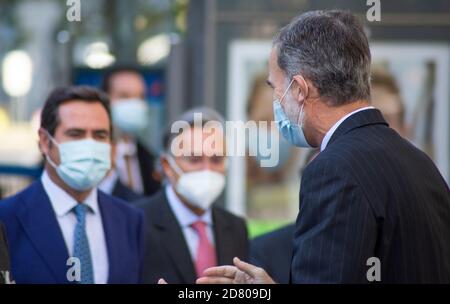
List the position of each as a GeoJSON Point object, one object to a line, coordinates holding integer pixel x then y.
{"type": "Point", "coordinates": [330, 49]}
{"type": "Point", "coordinates": [189, 117]}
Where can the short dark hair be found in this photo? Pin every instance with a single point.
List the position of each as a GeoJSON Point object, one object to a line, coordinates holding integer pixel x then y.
{"type": "Point", "coordinates": [189, 117]}
{"type": "Point", "coordinates": [59, 96]}
{"type": "Point", "coordinates": [111, 72]}
{"type": "Point", "coordinates": [329, 48]}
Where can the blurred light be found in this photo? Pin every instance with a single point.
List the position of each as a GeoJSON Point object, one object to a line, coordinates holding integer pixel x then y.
{"type": "Point", "coordinates": [63, 37]}
{"type": "Point", "coordinates": [4, 119]}
{"type": "Point", "coordinates": [17, 71]}
{"type": "Point", "coordinates": [154, 49]}
{"type": "Point", "coordinates": [97, 55]}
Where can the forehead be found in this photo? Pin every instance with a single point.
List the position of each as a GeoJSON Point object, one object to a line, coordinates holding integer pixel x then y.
{"type": "Point", "coordinates": [207, 141]}
{"type": "Point", "coordinates": [127, 80]}
{"type": "Point", "coordinates": [83, 115]}
{"type": "Point", "coordinates": [275, 72]}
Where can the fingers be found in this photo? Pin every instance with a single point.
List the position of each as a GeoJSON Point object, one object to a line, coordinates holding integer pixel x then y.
{"type": "Point", "coordinates": [221, 271]}
{"type": "Point", "coordinates": [250, 269]}
{"type": "Point", "coordinates": [214, 280]}
{"type": "Point", "coordinates": [162, 281]}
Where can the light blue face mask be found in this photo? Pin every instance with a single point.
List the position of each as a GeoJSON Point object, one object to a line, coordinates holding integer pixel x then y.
{"type": "Point", "coordinates": [130, 115]}
{"type": "Point", "coordinates": [293, 132]}
{"type": "Point", "coordinates": [83, 163]}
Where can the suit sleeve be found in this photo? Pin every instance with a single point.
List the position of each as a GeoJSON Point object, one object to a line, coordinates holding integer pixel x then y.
{"type": "Point", "coordinates": [4, 257]}
{"type": "Point", "coordinates": [336, 230]}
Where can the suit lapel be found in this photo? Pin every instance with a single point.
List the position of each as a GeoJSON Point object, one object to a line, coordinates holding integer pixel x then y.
{"type": "Point", "coordinates": [357, 120]}
{"type": "Point", "coordinates": [111, 224]}
{"type": "Point", "coordinates": [39, 222]}
{"type": "Point", "coordinates": [223, 239]}
{"type": "Point", "coordinates": [172, 239]}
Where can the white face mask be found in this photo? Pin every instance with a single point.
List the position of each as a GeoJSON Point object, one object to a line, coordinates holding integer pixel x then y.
{"type": "Point", "coordinates": [199, 188]}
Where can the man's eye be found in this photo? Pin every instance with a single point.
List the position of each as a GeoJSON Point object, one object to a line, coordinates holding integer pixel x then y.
{"type": "Point", "coordinates": [195, 159]}
{"type": "Point", "coordinates": [217, 159]}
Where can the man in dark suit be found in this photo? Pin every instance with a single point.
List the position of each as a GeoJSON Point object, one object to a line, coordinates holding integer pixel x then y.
{"type": "Point", "coordinates": [135, 162]}
{"type": "Point", "coordinates": [4, 257]}
{"type": "Point", "coordinates": [185, 233]}
{"type": "Point", "coordinates": [61, 229]}
{"type": "Point", "coordinates": [373, 208]}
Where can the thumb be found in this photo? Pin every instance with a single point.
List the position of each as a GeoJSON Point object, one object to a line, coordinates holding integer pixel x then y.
{"type": "Point", "coordinates": [249, 269]}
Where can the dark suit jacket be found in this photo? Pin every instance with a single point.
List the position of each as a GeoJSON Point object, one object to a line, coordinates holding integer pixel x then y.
{"type": "Point", "coordinates": [147, 166]}
{"type": "Point", "coordinates": [273, 252]}
{"type": "Point", "coordinates": [4, 256]}
{"type": "Point", "coordinates": [39, 253]}
{"type": "Point", "coordinates": [166, 251]}
{"type": "Point", "coordinates": [371, 193]}
{"type": "Point", "coordinates": [124, 193]}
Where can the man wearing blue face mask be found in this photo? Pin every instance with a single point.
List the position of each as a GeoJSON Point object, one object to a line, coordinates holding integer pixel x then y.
{"type": "Point", "coordinates": [373, 208]}
{"type": "Point", "coordinates": [61, 229]}
{"type": "Point", "coordinates": [134, 161]}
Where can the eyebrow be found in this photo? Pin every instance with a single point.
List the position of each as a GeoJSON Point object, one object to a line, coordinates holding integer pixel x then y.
{"type": "Point", "coordinates": [79, 130]}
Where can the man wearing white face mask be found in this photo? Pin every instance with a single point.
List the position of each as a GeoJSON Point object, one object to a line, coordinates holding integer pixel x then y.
{"type": "Point", "coordinates": [134, 161]}
{"type": "Point", "coordinates": [185, 233]}
{"type": "Point", "coordinates": [61, 229]}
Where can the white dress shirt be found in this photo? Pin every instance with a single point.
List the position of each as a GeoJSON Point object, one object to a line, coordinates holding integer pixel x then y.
{"type": "Point", "coordinates": [186, 218]}
{"type": "Point", "coordinates": [330, 132]}
{"type": "Point", "coordinates": [63, 205]}
{"type": "Point", "coordinates": [124, 148]}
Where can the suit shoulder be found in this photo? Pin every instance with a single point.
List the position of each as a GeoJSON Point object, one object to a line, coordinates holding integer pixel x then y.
{"type": "Point", "coordinates": [151, 203]}
{"type": "Point", "coordinates": [12, 203]}
{"type": "Point", "coordinates": [324, 161]}
{"type": "Point", "coordinates": [119, 204]}
{"type": "Point", "coordinates": [286, 232]}
{"type": "Point", "coordinates": [228, 216]}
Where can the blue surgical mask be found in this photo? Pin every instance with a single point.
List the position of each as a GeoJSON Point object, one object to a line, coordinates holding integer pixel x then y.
{"type": "Point", "coordinates": [130, 116]}
{"type": "Point", "coordinates": [83, 163]}
{"type": "Point", "coordinates": [293, 132]}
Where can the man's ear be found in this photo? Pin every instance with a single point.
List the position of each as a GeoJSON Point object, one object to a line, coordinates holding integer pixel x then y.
{"type": "Point", "coordinates": [44, 141]}
{"type": "Point", "coordinates": [167, 169]}
{"type": "Point", "coordinates": [302, 90]}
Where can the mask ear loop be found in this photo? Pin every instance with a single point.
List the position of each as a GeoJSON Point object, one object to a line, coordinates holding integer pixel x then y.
{"type": "Point", "coordinates": [47, 157]}
{"type": "Point", "coordinates": [286, 91]}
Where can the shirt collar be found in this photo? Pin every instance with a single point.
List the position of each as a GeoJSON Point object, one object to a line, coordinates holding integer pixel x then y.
{"type": "Point", "coordinates": [62, 202]}
{"type": "Point", "coordinates": [126, 148]}
{"type": "Point", "coordinates": [330, 132]}
{"type": "Point", "coordinates": [183, 214]}
{"type": "Point", "coordinates": [109, 182]}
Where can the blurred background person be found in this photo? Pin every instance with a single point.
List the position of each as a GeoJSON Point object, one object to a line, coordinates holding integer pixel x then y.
{"type": "Point", "coordinates": [135, 163]}
{"type": "Point", "coordinates": [186, 233]}
{"type": "Point", "coordinates": [112, 184]}
{"type": "Point", "coordinates": [385, 96]}
{"type": "Point", "coordinates": [62, 215]}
